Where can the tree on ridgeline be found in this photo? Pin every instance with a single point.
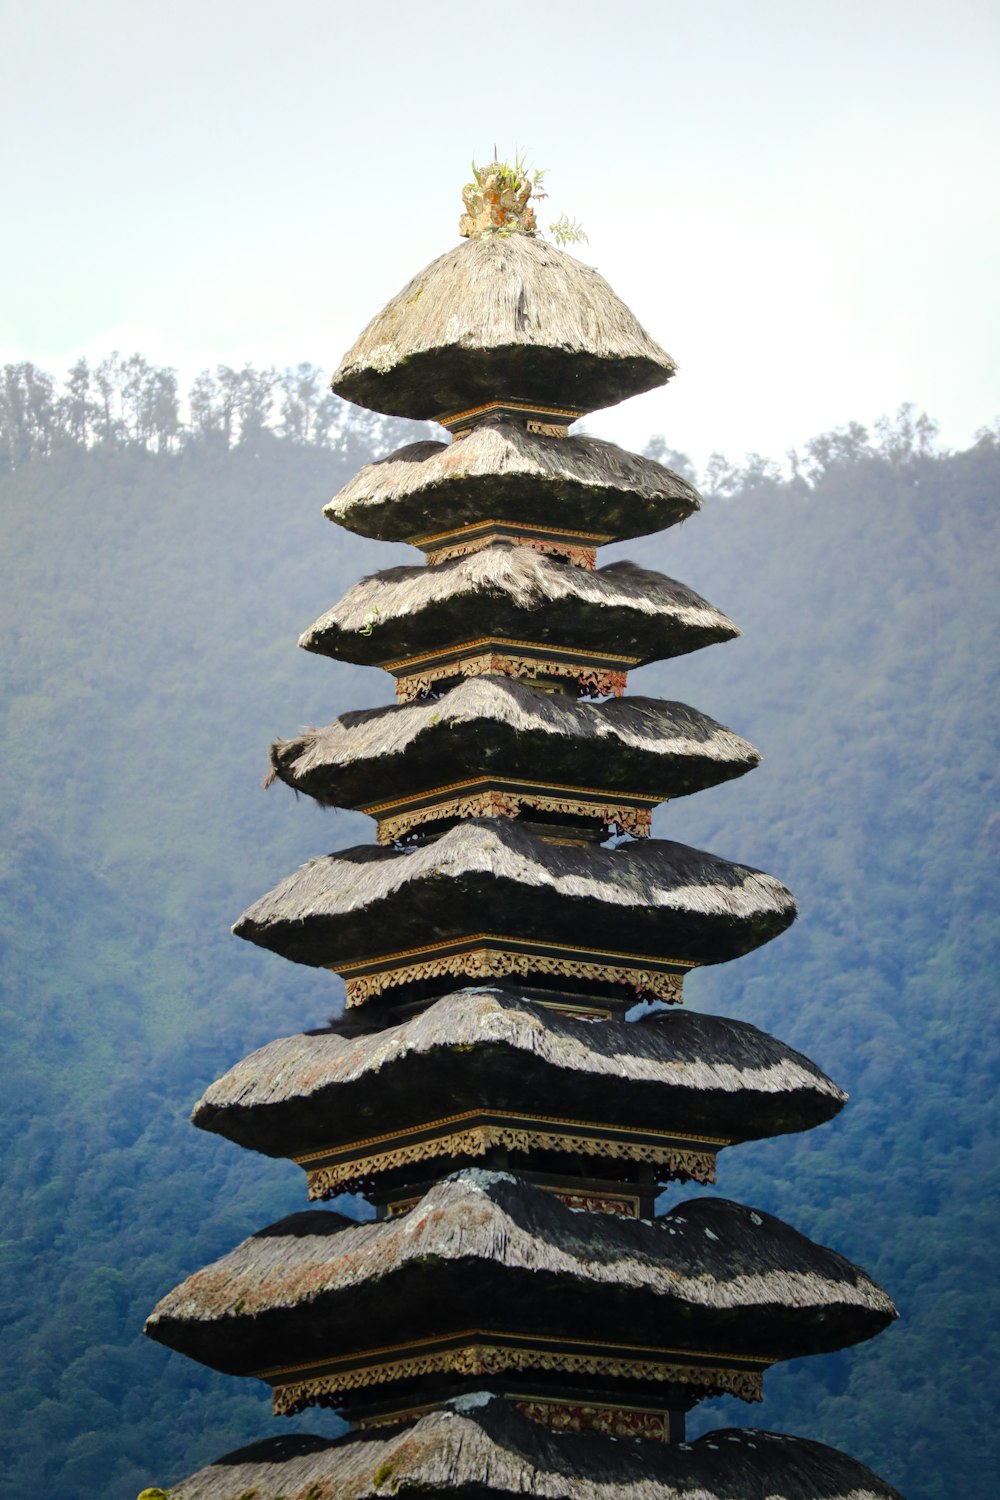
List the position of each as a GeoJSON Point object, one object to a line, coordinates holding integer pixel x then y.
{"type": "Point", "coordinates": [127, 402]}
{"type": "Point", "coordinates": [77, 412]}
{"type": "Point", "coordinates": [28, 414]}
{"type": "Point", "coordinates": [658, 449]}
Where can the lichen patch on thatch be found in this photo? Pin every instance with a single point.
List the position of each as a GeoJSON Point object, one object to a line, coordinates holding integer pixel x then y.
{"type": "Point", "coordinates": [501, 317]}
{"type": "Point", "coordinates": [500, 471]}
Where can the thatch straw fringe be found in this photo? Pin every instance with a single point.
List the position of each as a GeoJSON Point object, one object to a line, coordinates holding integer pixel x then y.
{"type": "Point", "coordinates": [658, 733]}
{"type": "Point", "coordinates": [503, 578]}
{"type": "Point", "coordinates": [479, 1446]}
{"type": "Point", "coordinates": [708, 1253]}
{"type": "Point", "coordinates": [681, 1051]}
{"type": "Point", "coordinates": [655, 874]}
{"type": "Point", "coordinates": [500, 471]}
{"type": "Point", "coordinates": [500, 317]}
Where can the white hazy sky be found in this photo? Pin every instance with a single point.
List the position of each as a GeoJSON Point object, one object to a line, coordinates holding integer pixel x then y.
{"type": "Point", "coordinates": [797, 198]}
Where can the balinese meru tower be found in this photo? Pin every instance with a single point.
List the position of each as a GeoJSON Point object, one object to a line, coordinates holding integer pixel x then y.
{"type": "Point", "coordinates": [517, 1319]}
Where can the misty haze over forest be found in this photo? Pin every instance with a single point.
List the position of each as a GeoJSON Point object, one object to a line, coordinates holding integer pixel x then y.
{"type": "Point", "coordinates": [160, 560]}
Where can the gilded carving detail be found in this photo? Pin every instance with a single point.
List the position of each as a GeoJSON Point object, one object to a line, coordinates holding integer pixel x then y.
{"type": "Point", "coordinates": [547, 429]}
{"type": "Point", "coordinates": [494, 963]}
{"type": "Point", "coordinates": [593, 682]}
{"type": "Point", "coordinates": [593, 1203]}
{"type": "Point", "coordinates": [675, 1161]}
{"type": "Point", "coordinates": [580, 555]}
{"type": "Point", "coordinates": [611, 1421]}
{"type": "Point", "coordinates": [471, 529]}
{"type": "Point", "coordinates": [527, 410]}
{"type": "Point", "coordinates": [494, 803]}
{"type": "Point", "coordinates": [491, 1359]}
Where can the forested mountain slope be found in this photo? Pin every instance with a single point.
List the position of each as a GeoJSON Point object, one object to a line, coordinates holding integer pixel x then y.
{"type": "Point", "coordinates": [149, 609]}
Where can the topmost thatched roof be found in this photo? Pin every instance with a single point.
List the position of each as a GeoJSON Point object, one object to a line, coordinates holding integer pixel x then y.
{"type": "Point", "coordinates": [501, 317]}
{"type": "Point", "coordinates": [480, 1445]}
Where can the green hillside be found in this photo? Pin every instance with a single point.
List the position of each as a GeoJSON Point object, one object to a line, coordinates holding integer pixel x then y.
{"type": "Point", "coordinates": [149, 608]}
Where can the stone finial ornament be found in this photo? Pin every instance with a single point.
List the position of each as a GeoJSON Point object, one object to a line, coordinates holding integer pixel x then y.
{"type": "Point", "coordinates": [497, 201]}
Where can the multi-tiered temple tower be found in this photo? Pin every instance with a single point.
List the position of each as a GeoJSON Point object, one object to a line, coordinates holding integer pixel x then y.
{"type": "Point", "coordinates": [517, 1319]}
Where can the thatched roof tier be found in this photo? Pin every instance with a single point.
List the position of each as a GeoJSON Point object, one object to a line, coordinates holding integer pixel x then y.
{"type": "Point", "coordinates": [366, 910]}
{"type": "Point", "coordinates": [513, 597]}
{"type": "Point", "coordinates": [664, 1089]}
{"type": "Point", "coordinates": [493, 732]}
{"type": "Point", "coordinates": [495, 318]}
{"type": "Point", "coordinates": [480, 1446]}
{"type": "Point", "coordinates": [488, 1274]}
{"type": "Point", "coordinates": [499, 472]}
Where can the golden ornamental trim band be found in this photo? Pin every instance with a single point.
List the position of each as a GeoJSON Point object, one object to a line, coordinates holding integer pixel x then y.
{"type": "Point", "coordinates": [637, 821]}
{"type": "Point", "coordinates": [514, 785]}
{"type": "Point", "coordinates": [494, 963]}
{"type": "Point", "coordinates": [578, 555]}
{"type": "Point", "coordinates": [492, 1359]}
{"type": "Point", "coordinates": [490, 643]}
{"type": "Point", "coordinates": [326, 1181]}
{"type": "Point", "coordinates": [555, 533]}
{"type": "Point", "coordinates": [592, 682]}
{"type": "Point", "coordinates": [568, 413]}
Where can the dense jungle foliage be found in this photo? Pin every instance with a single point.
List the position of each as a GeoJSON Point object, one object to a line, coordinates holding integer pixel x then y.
{"type": "Point", "coordinates": [155, 580]}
